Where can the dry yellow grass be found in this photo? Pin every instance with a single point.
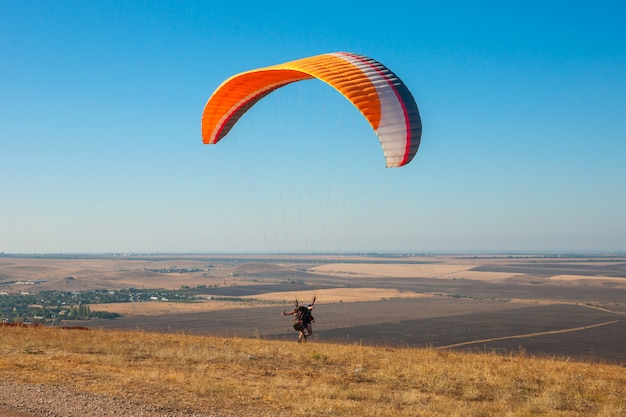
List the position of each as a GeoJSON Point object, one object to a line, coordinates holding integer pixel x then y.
{"type": "Point", "coordinates": [229, 376]}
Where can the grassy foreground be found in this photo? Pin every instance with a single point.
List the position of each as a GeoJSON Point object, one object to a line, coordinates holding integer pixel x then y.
{"type": "Point", "coordinates": [259, 377]}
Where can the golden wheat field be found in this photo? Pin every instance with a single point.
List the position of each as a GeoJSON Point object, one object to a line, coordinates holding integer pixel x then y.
{"type": "Point", "coordinates": [211, 376]}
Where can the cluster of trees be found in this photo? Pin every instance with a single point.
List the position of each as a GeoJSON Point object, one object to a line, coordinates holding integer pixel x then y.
{"type": "Point", "coordinates": [41, 313]}
{"type": "Point", "coordinates": [46, 306]}
{"type": "Point", "coordinates": [82, 312]}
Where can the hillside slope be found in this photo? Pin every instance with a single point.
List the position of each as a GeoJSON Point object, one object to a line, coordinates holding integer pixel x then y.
{"type": "Point", "coordinates": [61, 372]}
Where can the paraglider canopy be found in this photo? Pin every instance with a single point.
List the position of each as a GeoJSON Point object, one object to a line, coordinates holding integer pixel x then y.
{"type": "Point", "coordinates": [381, 97]}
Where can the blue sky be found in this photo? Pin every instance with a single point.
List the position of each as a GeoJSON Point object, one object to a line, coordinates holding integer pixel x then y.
{"type": "Point", "coordinates": [523, 148]}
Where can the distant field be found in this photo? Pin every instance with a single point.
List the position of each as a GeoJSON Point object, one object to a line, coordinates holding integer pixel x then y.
{"type": "Point", "coordinates": [497, 274]}
{"type": "Point", "coordinates": [286, 298]}
{"type": "Point", "coordinates": [417, 322]}
{"type": "Point", "coordinates": [558, 306]}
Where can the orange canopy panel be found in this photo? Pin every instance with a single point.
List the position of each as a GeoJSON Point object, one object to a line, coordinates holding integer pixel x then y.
{"type": "Point", "coordinates": [381, 97]}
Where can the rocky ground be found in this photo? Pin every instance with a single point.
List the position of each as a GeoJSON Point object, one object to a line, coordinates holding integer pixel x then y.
{"type": "Point", "coordinates": [24, 400]}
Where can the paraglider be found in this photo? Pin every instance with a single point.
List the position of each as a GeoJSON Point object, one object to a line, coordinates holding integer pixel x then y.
{"type": "Point", "coordinates": [381, 97]}
{"type": "Point", "coordinates": [303, 318]}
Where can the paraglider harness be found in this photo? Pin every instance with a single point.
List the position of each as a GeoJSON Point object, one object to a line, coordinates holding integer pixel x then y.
{"type": "Point", "coordinates": [302, 317]}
